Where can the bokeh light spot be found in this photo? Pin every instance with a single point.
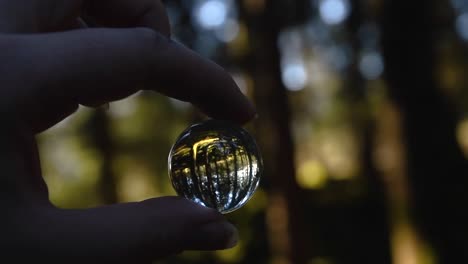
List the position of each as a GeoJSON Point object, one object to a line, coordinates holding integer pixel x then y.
{"type": "Point", "coordinates": [462, 135]}
{"type": "Point", "coordinates": [294, 76]}
{"type": "Point", "coordinates": [212, 14]}
{"type": "Point", "coordinates": [334, 12]}
{"type": "Point", "coordinates": [371, 65]}
{"type": "Point", "coordinates": [337, 56]}
{"type": "Point", "coordinates": [229, 31]}
{"type": "Point", "coordinates": [312, 175]}
{"type": "Point", "coordinates": [460, 5]}
{"type": "Point", "coordinates": [461, 26]}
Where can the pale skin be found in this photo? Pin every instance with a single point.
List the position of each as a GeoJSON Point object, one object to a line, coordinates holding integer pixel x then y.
{"type": "Point", "coordinates": [49, 65]}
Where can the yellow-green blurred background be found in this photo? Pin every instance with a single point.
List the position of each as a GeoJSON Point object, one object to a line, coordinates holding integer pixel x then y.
{"type": "Point", "coordinates": [361, 124]}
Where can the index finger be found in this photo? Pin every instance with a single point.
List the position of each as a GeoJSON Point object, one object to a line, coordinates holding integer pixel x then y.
{"type": "Point", "coordinates": [53, 73]}
{"type": "Point", "coordinates": [129, 13]}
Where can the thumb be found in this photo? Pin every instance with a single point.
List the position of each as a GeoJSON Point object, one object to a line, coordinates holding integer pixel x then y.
{"type": "Point", "coordinates": [185, 225]}
{"type": "Point", "coordinates": [127, 232]}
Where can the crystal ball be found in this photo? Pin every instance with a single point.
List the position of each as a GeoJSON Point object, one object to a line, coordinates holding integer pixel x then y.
{"type": "Point", "coordinates": [216, 164]}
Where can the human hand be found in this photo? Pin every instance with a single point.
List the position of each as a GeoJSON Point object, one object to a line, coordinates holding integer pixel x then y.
{"type": "Point", "coordinates": [49, 66]}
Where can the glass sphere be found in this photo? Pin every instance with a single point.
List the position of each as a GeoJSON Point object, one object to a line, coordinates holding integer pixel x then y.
{"type": "Point", "coordinates": [216, 164]}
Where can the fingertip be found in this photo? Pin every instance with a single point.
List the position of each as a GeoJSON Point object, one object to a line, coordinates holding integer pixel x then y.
{"type": "Point", "coordinates": [214, 236]}
{"type": "Point", "coordinates": [246, 110]}
{"type": "Point", "coordinates": [249, 114]}
{"type": "Point", "coordinates": [243, 113]}
{"type": "Point", "coordinates": [205, 84]}
{"type": "Point", "coordinates": [233, 238]}
{"type": "Point", "coordinates": [182, 208]}
{"type": "Point", "coordinates": [189, 226]}
{"type": "Point", "coordinates": [239, 107]}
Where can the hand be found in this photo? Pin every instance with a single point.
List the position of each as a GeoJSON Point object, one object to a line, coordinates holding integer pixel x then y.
{"type": "Point", "coordinates": [49, 66]}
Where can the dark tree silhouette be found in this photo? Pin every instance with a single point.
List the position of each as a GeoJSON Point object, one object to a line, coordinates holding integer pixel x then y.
{"type": "Point", "coordinates": [368, 226]}
{"type": "Point", "coordinates": [436, 167]}
{"type": "Point", "coordinates": [273, 125]}
{"type": "Point", "coordinates": [100, 137]}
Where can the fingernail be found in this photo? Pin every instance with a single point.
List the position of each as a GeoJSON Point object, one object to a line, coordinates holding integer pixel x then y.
{"type": "Point", "coordinates": [223, 234]}
{"type": "Point", "coordinates": [233, 238]}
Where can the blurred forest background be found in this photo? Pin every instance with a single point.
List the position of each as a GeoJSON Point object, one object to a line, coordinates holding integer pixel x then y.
{"type": "Point", "coordinates": [362, 124]}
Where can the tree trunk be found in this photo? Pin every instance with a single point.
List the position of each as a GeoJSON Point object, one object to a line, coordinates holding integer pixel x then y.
{"type": "Point", "coordinates": [369, 227]}
{"type": "Point", "coordinates": [100, 136]}
{"type": "Point", "coordinates": [436, 167]}
{"type": "Point", "coordinates": [285, 214]}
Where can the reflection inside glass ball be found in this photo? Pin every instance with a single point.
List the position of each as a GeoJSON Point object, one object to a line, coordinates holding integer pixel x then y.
{"type": "Point", "coordinates": [216, 164]}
